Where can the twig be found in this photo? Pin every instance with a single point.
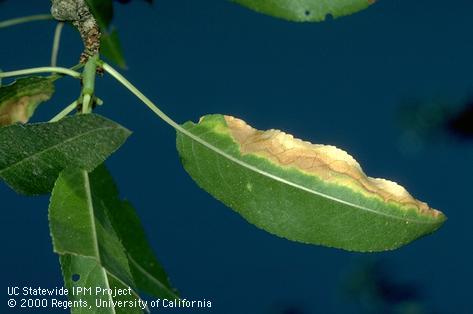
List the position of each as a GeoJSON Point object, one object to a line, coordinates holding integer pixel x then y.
{"type": "Point", "coordinates": [77, 12]}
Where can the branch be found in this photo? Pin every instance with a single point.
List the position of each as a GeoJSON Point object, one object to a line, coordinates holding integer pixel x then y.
{"type": "Point", "coordinates": [78, 13]}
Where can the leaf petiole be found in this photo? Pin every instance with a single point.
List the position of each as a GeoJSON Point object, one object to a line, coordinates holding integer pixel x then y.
{"type": "Point", "coordinates": [25, 19]}
{"type": "Point", "coordinates": [59, 70]}
{"type": "Point", "coordinates": [64, 112]}
{"type": "Point", "coordinates": [56, 43]}
{"type": "Point", "coordinates": [120, 78]}
{"type": "Point", "coordinates": [78, 66]}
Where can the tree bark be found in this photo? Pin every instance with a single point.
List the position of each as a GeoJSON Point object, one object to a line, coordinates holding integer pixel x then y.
{"type": "Point", "coordinates": [78, 13]}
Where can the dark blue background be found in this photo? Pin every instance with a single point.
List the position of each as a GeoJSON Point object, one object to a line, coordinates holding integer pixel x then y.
{"type": "Point", "coordinates": [340, 82]}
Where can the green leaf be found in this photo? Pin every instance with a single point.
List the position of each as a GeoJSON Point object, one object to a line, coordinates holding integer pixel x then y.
{"type": "Point", "coordinates": [309, 193]}
{"type": "Point", "coordinates": [80, 224]}
{"type": "Point", "coordinates": [32, 156]}
{"type": "Point", "coordinates": [19, 100]}
{"type": "Point", "coordinates": [102, 11]}
{"type": "Point", "coordinates": [83, 272]}
{"type": "Point", "coordinates": [112, 49]}
{"type": "Point", "coordinates": [83, 234]}
{"type": "Point", "coordinates": [305, 10]}
{"type": "Point", "coordinates": [148, 274]}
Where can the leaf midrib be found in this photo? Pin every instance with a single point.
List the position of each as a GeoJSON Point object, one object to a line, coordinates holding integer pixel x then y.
{"type": "Point", "coordinates": [105, 271]}
{"type": "Point", "coordinates": [90, 206]}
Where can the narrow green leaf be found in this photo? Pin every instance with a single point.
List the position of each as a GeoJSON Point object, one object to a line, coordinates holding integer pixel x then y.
{"type": "Point", "coordinates": [83, 235]}
{"type": "Point", "coordinates": [148, 274]}
{"type": "Point", "coordinates": [19, 100]}
{"type": "Point", "coordinates": [102, 11]}
{"type": "Point", "coordinates": [310, 193]}
{"type": "Point", "coordinates": [86, 273]}
{"type": "Point", "coordinates": [31, 156]}
{"type": "Point", "coordinates": [112, 49]}
{"type": "Point", "coordinates": [80, 224]}
{"type": "Point", "coordinates": [305, 10]}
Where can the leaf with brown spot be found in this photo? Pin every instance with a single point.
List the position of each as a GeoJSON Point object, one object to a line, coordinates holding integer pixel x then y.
{"type": "Point", "coordinates": [305, 192]}
{"type": "Point", "coordinates": [19, 100]}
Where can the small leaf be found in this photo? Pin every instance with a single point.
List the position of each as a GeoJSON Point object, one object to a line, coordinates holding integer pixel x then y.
{"type": "Point", "coordinates": [19, 100]}
{"type": "Point", "coordinates": [102, 11]}
{"type": "Point", "coordinates": [310, 193]}
{"type": "Point", "coordinates": [32, 156]}
{"type": "Point", "coordinates": [112, 49]}
{"type": "Point", "coordinates": [148, 274]}
{"type": "Point", "coordinates": [305, 10]}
